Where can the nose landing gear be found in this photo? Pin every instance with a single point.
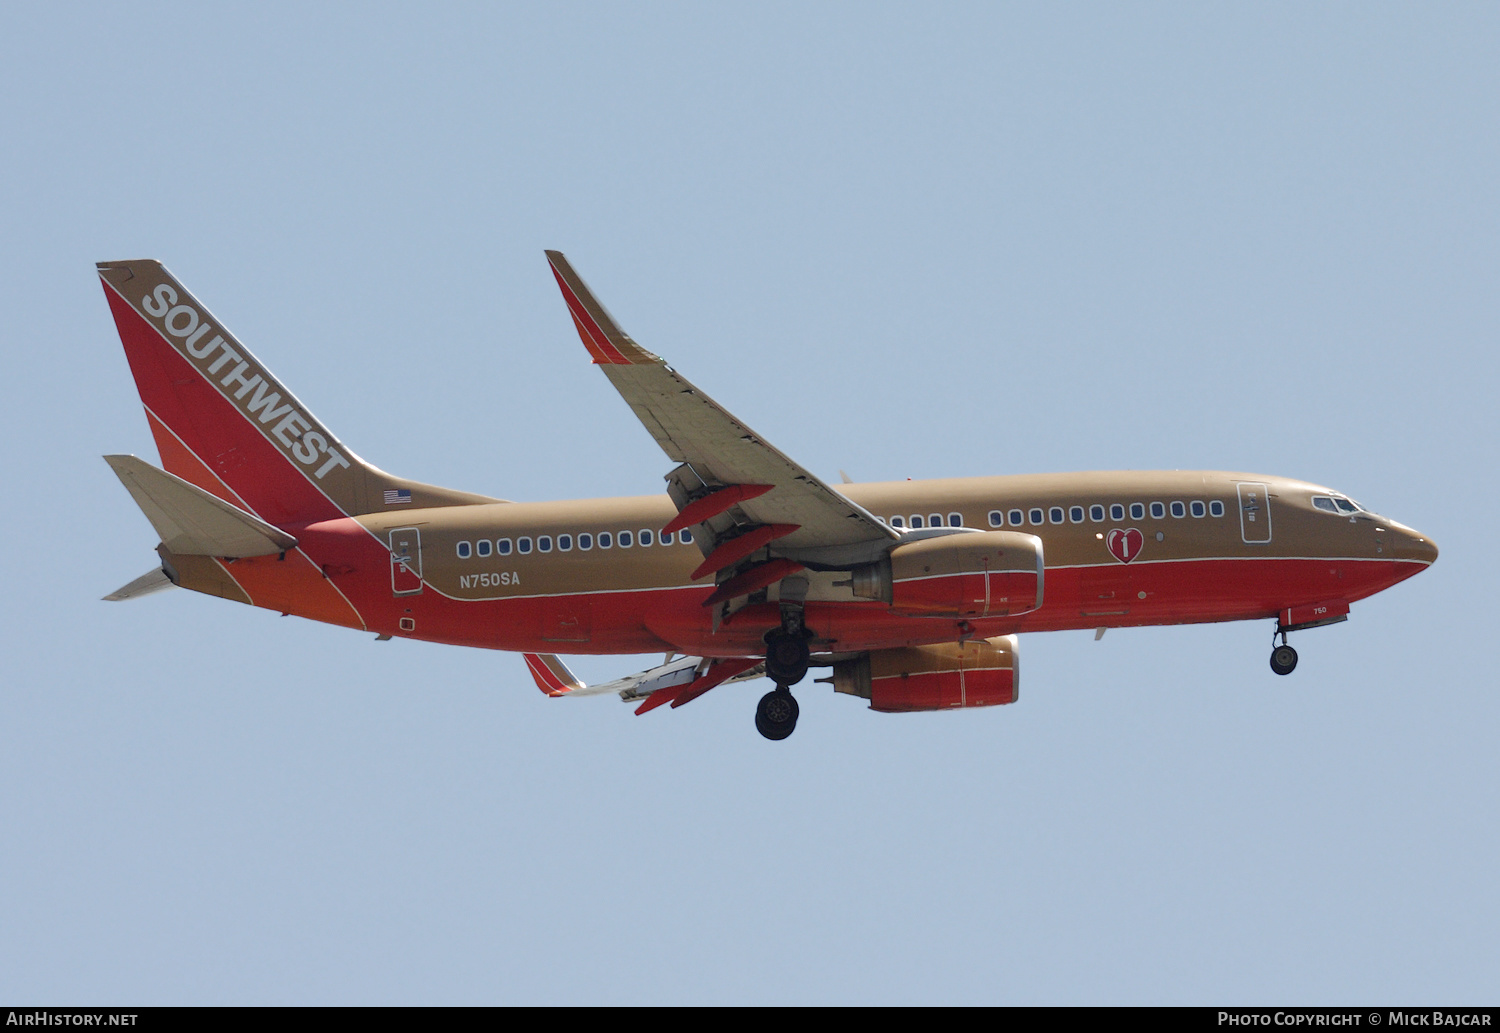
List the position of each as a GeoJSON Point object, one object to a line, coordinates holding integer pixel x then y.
{"type": "Point", "coordinates": [1283, 657]}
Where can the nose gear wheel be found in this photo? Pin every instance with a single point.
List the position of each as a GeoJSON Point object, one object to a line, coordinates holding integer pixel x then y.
{"type": "Point", "coordinates": [1283, 659]}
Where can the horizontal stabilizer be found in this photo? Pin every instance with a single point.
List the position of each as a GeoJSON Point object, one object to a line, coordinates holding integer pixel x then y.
{"type": "Point", "coordinates": [190, 521]}
{"type": "Point", "coordinates": [143, 585]}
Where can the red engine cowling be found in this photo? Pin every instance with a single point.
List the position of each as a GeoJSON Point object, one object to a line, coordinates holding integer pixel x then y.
{"type": "Point", "coordinates": [979, 673]}
{"type": "Point", "coordinates": [978, 574]}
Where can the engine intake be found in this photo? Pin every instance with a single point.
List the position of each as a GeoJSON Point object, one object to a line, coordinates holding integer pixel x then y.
{"type": "Point", "coordinates": [983, 574]}
{"type": "Point", "coordinates": [978, 673]}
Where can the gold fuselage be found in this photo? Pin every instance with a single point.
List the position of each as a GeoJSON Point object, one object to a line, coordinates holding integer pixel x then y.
{"type": "Point", "coordinates": [1253, 559]}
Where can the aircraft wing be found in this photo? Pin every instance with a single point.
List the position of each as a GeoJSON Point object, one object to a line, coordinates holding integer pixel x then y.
{"type": "Point", "coordinates": [676, 681]}
{"type": "Point", "coordinates": [724, 463]}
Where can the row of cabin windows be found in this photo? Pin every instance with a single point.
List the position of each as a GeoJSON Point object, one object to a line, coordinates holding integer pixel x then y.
{"type": "Point", "coordinates": [1117, 510]}
{"type": "Point", "coordinates": [930, 520]}
{"type": "Point", "coordinates": [566, 542]}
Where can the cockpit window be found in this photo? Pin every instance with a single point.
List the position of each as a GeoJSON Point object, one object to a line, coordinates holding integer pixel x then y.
{"type": "Point", "coordinates": [1335, 504]}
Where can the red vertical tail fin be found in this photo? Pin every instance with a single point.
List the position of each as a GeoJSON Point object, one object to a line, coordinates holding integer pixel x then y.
{"type": "Point", "coordinates": [222, 421]}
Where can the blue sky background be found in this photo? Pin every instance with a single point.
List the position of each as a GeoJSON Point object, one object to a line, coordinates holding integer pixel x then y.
{"type": "Point", "coordinates": [898, 240]}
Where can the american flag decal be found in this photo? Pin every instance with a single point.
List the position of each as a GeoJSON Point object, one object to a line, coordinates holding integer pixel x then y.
{"type": "Point", "coordinates": [396, 496]}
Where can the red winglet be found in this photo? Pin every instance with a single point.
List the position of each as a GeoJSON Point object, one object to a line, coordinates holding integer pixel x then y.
{"type": "Point", "coordinates": [736, 549]}
{"type": "Point", "coordinates": [599, 346]}
{"type": "Point", "coordinates": [550, 675]}
{"type": "Point", "coordinates": [720, 672]}
{"type": "Point", "coordinates": [712, 505]}
{"type": "Point", "coordinates": [753, 580]}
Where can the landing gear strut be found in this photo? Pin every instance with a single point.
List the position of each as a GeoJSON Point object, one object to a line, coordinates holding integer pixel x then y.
{"type": "Point", "coordinates": [787, 659]}
{"type": "Point", "coordinates": [1283, 657]}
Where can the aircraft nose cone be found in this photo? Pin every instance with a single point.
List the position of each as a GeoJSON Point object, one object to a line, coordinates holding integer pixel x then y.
{"type": "Point", "coordinates": [1410, 545]}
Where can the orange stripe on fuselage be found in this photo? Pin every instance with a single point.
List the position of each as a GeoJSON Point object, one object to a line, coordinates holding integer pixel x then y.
{"type": "Point", "coordinates": [294, 585]}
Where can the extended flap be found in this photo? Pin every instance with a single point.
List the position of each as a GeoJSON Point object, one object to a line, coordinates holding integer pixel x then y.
{"type": "Point", "coordinates": [192, 522]}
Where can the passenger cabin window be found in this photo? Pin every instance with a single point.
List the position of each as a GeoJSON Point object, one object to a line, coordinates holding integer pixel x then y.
{"type": "Point", "coordinates": [1216, 508]}
{"type": "Point", "coordinates": [1057, 515]}
{"type": "Point", "coordinates": [997, 518]}
{"type": "Point", "coordinates": [605, 540]}
{"type": "Point", "coordinates": [685, 536]}
{"type": "Point", "coordinates": [1137, 511]}
{"type": "Point", "coordinates": [898, 521]}
{"type": "Point", "coordinates": [1179, 510]}
{"type": "Point", "coordinates": [955, 520]}
{"type": "Point", "coordinates": [1117, 512]}
{"type": "Point", "coordinates": [1158, 510]}
{"type": "Point", "coordinates": [503, 546]}
{"type": "Point", "coordinates": [916, 521]}
{"type": "Point", "coordinates": [934, 520]}
{"type": "Point", "coordinates": [1096, 513]}
{"type": "Point", "coordinates": [1016, 518]}
{"type": "Point", "coordinates": [643, 537]}
{"type": "Point", "coordinates": [1197, 508]}
{"type": "Point", "coordinates": [523, 545]}
{"type": "Point", "coordinates": [585, 542]}
{"type": "Point", "coordinates": [1076, 514]}
{"type": "Point", "coordinates": [482, 547]}
{"type": "Point", "coordinates": [624, 539]}
{"type": "Point", "coordinates": [564, 543]}
{"type": "Point", "coordinates": [463, 550]}
{"type": "Point", "coordinates": [666, 539]}
{"type": "Point", "coordinates": [1038, 517]}
{"type": "Point", "coordinates": [544, 543]}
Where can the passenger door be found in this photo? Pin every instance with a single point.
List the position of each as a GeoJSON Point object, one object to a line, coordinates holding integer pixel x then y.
{"type": "Point", "coordinates": [1255, 513]}
{"type": "Point", "coordinates": [406, 561]}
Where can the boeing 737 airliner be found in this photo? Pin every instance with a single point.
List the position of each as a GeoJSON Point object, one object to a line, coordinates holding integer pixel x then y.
{"type": "Point", "coordinates": [912, 593]}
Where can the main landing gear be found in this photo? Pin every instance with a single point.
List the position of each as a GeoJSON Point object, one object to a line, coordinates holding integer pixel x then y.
{"type": "Point", "coordinates": [787, 659]}
{"type": "Point", "coordinates": [776, 715]}
{"type": "Point", "coordinates": [1283, 657]}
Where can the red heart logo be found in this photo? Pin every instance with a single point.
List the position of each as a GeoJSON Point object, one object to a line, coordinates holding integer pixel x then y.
{"type": "Point", "coordinates": [1124, 545]}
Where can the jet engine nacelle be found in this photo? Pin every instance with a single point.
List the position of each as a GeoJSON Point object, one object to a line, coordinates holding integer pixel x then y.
{"type": "Point", "coordinates": [978, 673]}
{"type": "Point", "coordinates": [978, 574]}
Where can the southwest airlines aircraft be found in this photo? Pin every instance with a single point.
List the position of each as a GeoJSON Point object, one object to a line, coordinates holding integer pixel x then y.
{"type": "Point", "coordinates": [911, 593]}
